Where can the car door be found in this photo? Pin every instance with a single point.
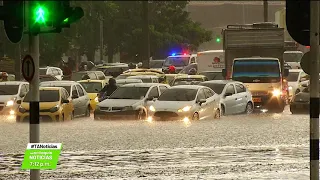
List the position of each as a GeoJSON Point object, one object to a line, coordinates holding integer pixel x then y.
{"type": "Point", "coordinates": [230, 100]}
{"type": "Point", "coordinates": [83, 99]}
{"type": "Point", "coordinates": [211, 101]}
{"type": "Point", "coordinates": [75, 100]}
{"type": "Point", "coordinates": [153, 93]}
{"type": "Point", "coordinates": [242, 98]}
{"type": "Point", "coordinates": [203, 111]}
{"type": "Point", "coordinates": [162, 89]}
{"type": "Point", "coordinates": [67, 107]}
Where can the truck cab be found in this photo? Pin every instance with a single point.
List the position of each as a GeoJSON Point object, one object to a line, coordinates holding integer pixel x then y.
{"type": "Point", "coordinates": [263, 77]}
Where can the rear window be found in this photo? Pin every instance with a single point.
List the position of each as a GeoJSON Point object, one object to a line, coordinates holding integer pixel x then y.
{"type": "Point", "coordinates": [67, 87]}
{"type": "Point", "coordinates": [187, 81]}
{"type": "Point", "coordinates": [45, 96]}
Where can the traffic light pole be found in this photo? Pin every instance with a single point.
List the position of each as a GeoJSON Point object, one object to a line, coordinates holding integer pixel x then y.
{"type": "Point", "coordinates": [34, 90]}
{"type": "Point", "coordinates": [314, 90]}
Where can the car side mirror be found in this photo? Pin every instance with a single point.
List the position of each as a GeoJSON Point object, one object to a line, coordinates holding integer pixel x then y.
{"type": "Point", "coordinates": [304, 85]}
{"type": "Point", "coordinates": [224, 73]}
{"type": "Point", "coordinates": [74, 96]}
{"type": "Point", "coordinates": [22, 95]}
{"type": "Point", "coordinates": [303, 79]}
{"type": "Point", "coordinates": [65, 101]}
{"type": "Point", "coordinates": [150, 98]}
{"type": "Point", "coordinates": [227, 94]}
{"type": "Point", "coordinates": [286, 72]}
{"type": "Point", "coordinates": [19, 102]}
{"type": "Point", "coordinates": [201, 101]}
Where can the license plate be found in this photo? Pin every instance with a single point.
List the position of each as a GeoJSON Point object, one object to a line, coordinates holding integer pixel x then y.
{"type": "Point", "coordinates": [256, 99]}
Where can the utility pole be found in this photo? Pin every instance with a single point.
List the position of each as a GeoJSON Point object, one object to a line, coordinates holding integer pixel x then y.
{"type": "Point", "coordinates": [145, 32]}
{"type": "Point", "coordinates": [314, 90]}
{"type": "Point", "coordinates": [101, 39]}
{"type": "Point", "coordinates": [265, 10]}
{"type": "Point", "coordinates": [34, 129]}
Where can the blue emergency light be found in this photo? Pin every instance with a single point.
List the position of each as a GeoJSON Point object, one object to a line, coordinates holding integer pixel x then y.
{"type": "Point", "coordinates": [173, 54]}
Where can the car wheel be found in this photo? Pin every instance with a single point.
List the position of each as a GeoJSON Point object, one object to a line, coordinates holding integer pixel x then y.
{"type": "Point", "coordinates": [88, 111]}
{"type": "Point", "coordinates": [217, 114]}
{"type": "Point", "coordinates": [223, 110]}
{"type": "Point", "coordinates": [195, 117]}
{"type": "Point", "coordinates": [249, 108]}
{"type": "Point", "coordinates": [141, 115]}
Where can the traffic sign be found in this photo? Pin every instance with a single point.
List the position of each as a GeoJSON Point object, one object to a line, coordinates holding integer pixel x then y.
{"type": "Point", "coordinates": [305, 63]}
{"type": "Point", "coordinates": [28, 68]}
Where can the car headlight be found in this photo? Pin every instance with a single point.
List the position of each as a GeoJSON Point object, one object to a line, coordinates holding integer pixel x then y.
{"type": "Point", "coordinates": [290, 88]}
{"type": "Point", "coordinates": [22, 110]}
{"type": "Point", "coordinates": [10, 103]}
{"type": "Point", "coordinates": [151, 108]}
{"type": "Point", "coordinates": [185, 109]}
{"type": "Point", "coordinates": [96, 99]}
{"type": "Point", "coordinates": [54, 109]}
{"type": "Point", "coordinates": [276, 92]}
{"type": "Point", "coordinates": [127, 108]}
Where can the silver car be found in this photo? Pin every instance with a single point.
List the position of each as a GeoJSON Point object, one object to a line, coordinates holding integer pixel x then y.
{"type": "Point", "coordinates": [186, 102]}
{"type": "Point", "coordinates": [121, 82]}
{"type": "Point", "coordinates": [235, 97]}
{"type": "Point", "coordinates": [78, 96]}
{"type": "Point", "coordinates": [11, 92]}
{"type": "Point", "coordinates": [129, 101]}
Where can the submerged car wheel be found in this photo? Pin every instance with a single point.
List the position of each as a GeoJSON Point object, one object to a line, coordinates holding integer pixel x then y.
{"type": "Point", "coordinates": [249, 108]}
{"type": "Point", "coordinates": [141, 115]}
{"type": "Point", "coordinates": [217, 114]}
{"type": "Point", "coordinates": [223, 111]}
{"type": "Point", "coordinates": [195, 117]}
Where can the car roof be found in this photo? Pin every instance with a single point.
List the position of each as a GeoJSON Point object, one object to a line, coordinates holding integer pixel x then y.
{"type": "Point", "coordinates": [141, 84]}
{"type": "Point", "coordinates": [294, 52]}
{"type": "Point", "coordinates": [189, 76]}
{"type": "Point", "coordinates": [50, 88]}
{"type": "Point", "coordinates": [142, 76]}
{"type": "Point", "coordinates": [13, 83]}
{"type": "Point", "coordinates": [143, 70]}
{"type": "Point", "coordinates": [211, 71]}
{"type": "Point", "coordinates": [256, 57]}
{"type": "Point", "coordinates": [186, 87]}
{"type": "Point", "coordinates": [295, 70]}
{"type": "Point", "coordinates": [128, 80]}
{"type": "Point", "coordinates": [220, 82]}
{"type": "Point", "coordinates": [90, 80]}
{"type": "Point", "coordinates": [59, 82]}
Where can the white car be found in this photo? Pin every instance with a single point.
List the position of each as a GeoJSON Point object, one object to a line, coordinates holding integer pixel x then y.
{"type": "Point", "coordinates": [129, 101]}
{"type": "Point", "coordinates": [295, 77]}
{"type": "Point", "coordinates": [10, 93]}
{"type": "Point", "coordinates": [235, 98]}
{"type": "Point", "coordinates": [53, 71]}
{"type": "Point", "coordinates": [186, 102]}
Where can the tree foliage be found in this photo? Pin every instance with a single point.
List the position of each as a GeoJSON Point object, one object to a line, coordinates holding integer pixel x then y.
{"type": "Point", "coordinates": [169, 24]}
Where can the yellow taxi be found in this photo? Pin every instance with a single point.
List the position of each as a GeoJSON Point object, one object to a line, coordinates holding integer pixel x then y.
{"type": "Point", "coordinates": [93, 87]}
{"type": "Point", "coordinates": [54, 105]}
{"type": "Point", "coordinates": [128, 74]}
{"type": "Point", "coordinates": [184, 79]}
{"type": "Point", "coordinates": [170, 77]}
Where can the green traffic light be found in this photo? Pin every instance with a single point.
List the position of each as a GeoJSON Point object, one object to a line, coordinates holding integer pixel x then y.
{"type": "Point", "coordinates": [218, 40]}
{"type": "Point", "coordinates": [40, 15]}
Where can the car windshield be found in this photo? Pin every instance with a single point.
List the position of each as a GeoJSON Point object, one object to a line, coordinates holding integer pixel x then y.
{"type": "Point", "coordinates": [155, 64]}
{"type": "Point", "coordinates": [92, 87]}
{"type": "Point", "coordinates": [9, 89]}
{"type": "Point", "coordinates": [45, 96]}
{"type": "Point", "coordinates": [293, 76]}
{"type": "Point", "coordinates": [178, 94]}
{"type": "Point", "coordinates": [129, 93]}
{"type": "Point", "coordinates": [256, 71]}
{"type": "Point", "coordinates": [217, 88]}
{"type": "Point", "coordinates": [67, 87]}
{"type": "Point", "coordinates": [42, 71]}
{"type": "Point", "coordinates": [176, 61]}
{"type": "Point", "coordinates": [187, 81]}
{"type": "Point", "coordinates": [213, 75]}
{"type": "Point", "coordinates": [292, 57]}
{"type": "Point", "coordinates": [78, 76]}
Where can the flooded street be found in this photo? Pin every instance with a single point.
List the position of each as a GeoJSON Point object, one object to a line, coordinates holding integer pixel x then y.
{"type": "Point", "coordinates": [259, 146]}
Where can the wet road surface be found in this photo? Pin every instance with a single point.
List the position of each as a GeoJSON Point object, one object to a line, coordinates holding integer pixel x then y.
{"type": "Point", "coordinates": [258, 146]}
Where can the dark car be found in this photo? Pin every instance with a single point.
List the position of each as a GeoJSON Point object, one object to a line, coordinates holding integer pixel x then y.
{"type": "Point", "coordinates": [300, 103]}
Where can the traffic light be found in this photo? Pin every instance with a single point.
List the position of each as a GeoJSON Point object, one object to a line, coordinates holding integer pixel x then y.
{"type": "Point", "coordinates": [298, 20]}
{"type": "Point", "coordinates": [218, 39]}
{"type": "Point", "coordinates": [52, 16]}
{"type": "Point", "coordinates": [11, 12]}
